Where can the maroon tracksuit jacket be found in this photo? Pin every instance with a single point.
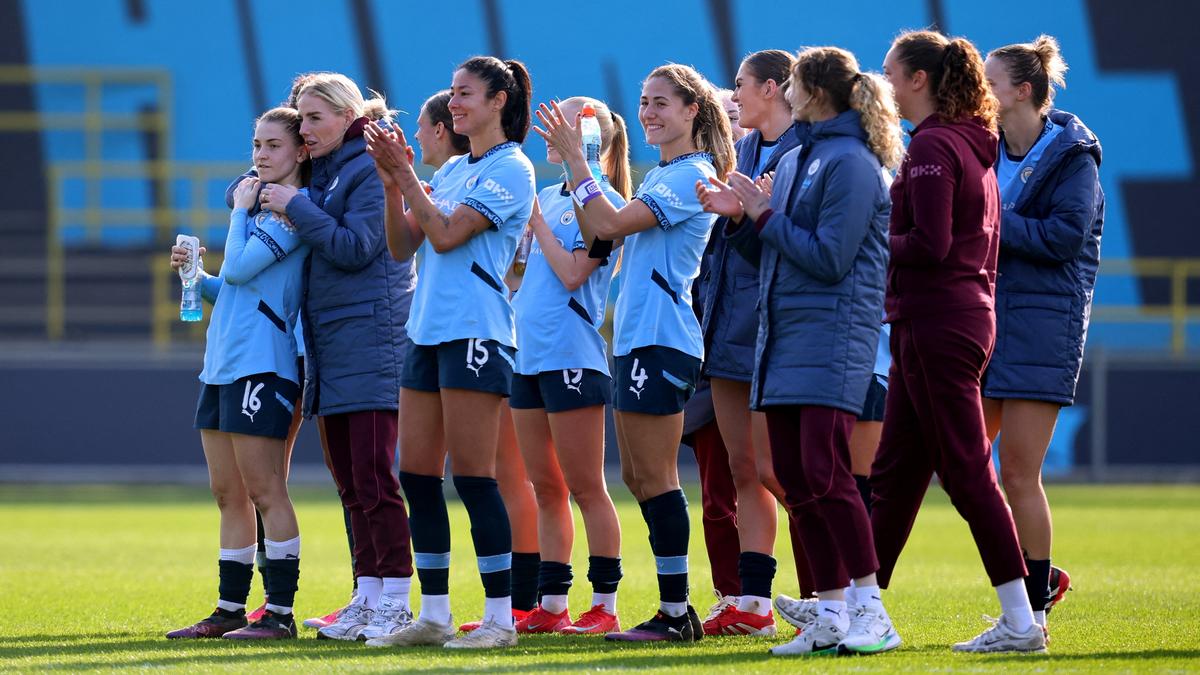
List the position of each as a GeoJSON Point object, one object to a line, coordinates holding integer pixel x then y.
{"type": "Point", "coordinates": [944, 237]}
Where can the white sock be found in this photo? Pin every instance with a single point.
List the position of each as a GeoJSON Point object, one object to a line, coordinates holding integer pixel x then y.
{"type": "Point", "coordinates": [609, 600]}
{"type": "Point", "coordinates": [851, 595]}
{"type": "Point", "coordinates": [675, 609]}
{"type": "Point", "coordinates": [435, 609]}
{"type": "Point", "coordinates": [1014, 603]}
{"type": "Point", "coordinates": [835, 611]}
{"type": "Point", "coordinates": [397, 586]}
{"type": "Point", "coordinates": [282, 550]}
{"type": "Point", "coordinates": [244, 556]}
{"type": "Point", "coordinates": [555, 604]}
{"type": "Point", "coordinates": [229, 606]}
{"type": "Point", "coordinates": [369, 589]}
{"type": "Point", "coordinates": [1040, 618]}
{"type": "Point", "coordinates": [498, 610]}
{"type": "Point", "coordinates": [754, 604]}
{"type": "Point", "coordinates": [869, 596]}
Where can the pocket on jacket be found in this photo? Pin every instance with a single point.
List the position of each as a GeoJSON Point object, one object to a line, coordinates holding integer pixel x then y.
{"type": "Point", "coordinates": [803, 330]}
{"type": "Point", "coordinates": [1037, 329]}
{"type": "Point", "coordinates": [347, 340]}
{"type": "Point", "coordinates": [740, 314]}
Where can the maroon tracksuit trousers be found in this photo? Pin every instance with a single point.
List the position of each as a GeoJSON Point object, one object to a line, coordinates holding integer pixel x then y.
{"type": "Point", "coordinates": [810, 448]}
{"type": "Point", "coordinates": [362, 450]}
{"type": "Point", "coordinates": [933, 423]}
{"type": "Point", "coordinates": [719, 507]}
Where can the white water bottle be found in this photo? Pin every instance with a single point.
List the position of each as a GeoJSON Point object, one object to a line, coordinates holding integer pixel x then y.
{"type": "Point", "coordinates": [590, 128]}
{"type": "Point", "coordinates": [190, 307]}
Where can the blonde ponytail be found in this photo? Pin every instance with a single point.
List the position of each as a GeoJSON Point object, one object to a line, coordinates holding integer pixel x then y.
{"type": "Point", "coordinates": [871, 96]}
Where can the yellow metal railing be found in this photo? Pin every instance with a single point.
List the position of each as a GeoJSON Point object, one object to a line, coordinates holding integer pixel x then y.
{"type": "Point", "coordinates": [1178, 310]}
{"type": "Point", "coordinates": [93, 122]}
{"type": "Point", "coordinates": [198, 178]}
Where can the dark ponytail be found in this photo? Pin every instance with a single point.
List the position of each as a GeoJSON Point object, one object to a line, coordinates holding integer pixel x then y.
{"type": "Point", "coordinates": [437, 109]}
{"type": "Point", "coordinates": [955, 70]}
{"type": "Point", "coordinates": [512, 78]}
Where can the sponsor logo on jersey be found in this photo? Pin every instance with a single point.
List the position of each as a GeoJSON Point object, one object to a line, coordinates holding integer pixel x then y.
{"type": "Point", "coordinates": [666, 193]}
{"type": "Point", "coordinates": [497, 189]}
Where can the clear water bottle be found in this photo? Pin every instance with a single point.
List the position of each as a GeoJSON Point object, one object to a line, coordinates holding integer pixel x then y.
{"type": "Point", "coordinates": [523, 248]}
{"type": "Point", "coordinates": [190, 308]}
{"type": "Point", "coordinates": [590, 127]}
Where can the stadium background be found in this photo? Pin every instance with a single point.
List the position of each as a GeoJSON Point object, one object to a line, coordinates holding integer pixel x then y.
{"type": "Point", "coordinates": [123, 120]}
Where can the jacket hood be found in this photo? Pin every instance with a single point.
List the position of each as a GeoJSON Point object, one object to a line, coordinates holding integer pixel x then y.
{"type": "Point", "coordinates": [984, 143]}
{"type": "Point", "coordinates": [1075, 136]}
{"type": "Point", "coordinates": [848, 123]}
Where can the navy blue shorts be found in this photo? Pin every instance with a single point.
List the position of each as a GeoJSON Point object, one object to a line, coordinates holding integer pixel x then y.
{"type": "Point", "coordinates": [876, 397]}
{"type": "Point", "coordinates": [477, 365]}
{"type": "Point", "coordinates": [257, 405]}
{"type": "Point", "coordinates": [655, 380]}
{"type": "Point", "coordinates": [561, 390]}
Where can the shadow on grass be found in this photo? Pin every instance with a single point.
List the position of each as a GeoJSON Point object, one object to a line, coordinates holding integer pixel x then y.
{"type": "Point", "coordinates": [103, 651]}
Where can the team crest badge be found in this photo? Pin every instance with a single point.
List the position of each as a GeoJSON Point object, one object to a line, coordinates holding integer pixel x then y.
{"type": "Point", "coordinates": [567, 217]}
{"type": "Point", "coordinates": [1026, 173]}
{"type": "Point", "coordinates": [471, 182]}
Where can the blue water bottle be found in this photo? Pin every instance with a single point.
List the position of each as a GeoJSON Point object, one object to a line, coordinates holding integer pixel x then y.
{"type": "Point", "coordinates": [190, 308]}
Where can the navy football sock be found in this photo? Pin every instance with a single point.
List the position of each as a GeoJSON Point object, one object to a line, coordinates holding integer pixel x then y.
{"type": "Point", "coordinates": [604, 573]}
{"type": "Point", "coordinates": [490, 532]}
{"type": "Point", "coordinates": [757, 571]}
{"type": "Point", "coordinates": [667, 517]}
{"type": "Point", "coordinates": [525, 571]}
{"type": "Point", "coordinates": [430, 526]}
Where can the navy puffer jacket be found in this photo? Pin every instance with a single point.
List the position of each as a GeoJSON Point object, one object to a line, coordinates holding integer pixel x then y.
{"type": "Point", "coordinates": [730, 318]}
{"type": "Point", "coordinates": [824, 263]}
{"type": "Point", "coordinates": [1049, 254]}
{"type": "Point", "coordinates": [357, 297]}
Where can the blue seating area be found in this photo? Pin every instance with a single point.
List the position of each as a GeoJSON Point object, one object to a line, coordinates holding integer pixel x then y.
{"type": "Point", "coordinates": [213, 88]}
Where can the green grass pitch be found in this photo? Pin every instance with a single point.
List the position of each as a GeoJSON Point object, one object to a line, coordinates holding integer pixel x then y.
{"type": "Point", "coordinates": [91, 578]}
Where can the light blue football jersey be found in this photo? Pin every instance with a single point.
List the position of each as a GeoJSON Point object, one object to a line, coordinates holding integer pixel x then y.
{"type": "Point", "coordinates": [654, 306]}
{"type": "Point", "coordinates": [258, 295]}
{"type": "Point", "coordinates": [559, 329]}
{"type": "Point", "coordinates": [461, 293]}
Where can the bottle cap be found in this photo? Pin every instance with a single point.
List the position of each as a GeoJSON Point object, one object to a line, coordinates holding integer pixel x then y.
{"type": "Point", "coordinates": [589, 111]}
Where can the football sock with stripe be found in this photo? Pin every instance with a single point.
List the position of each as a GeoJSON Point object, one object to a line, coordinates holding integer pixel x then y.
{"type": "Point", "coordinates": [430, 525]}
{"type": "Point", "coordinates": [667, 519]}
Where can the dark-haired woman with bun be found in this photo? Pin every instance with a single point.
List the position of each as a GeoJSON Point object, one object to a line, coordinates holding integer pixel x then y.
{"type": "Point", "coordinates": [944, 239]}
{"type": "Point", "coordinates": [1052, 213]}
{"type": "Point", "coordinates": [730, 327]}
{"type": "Point", "coordinates": [460, 365]}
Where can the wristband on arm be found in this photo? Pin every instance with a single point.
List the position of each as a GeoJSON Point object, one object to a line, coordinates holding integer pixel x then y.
{"type": "Point", "coordinates": [586, 191]}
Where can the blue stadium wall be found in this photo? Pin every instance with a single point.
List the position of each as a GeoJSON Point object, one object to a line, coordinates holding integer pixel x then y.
{"type": "Point", "coordinates": [1134, 79]}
